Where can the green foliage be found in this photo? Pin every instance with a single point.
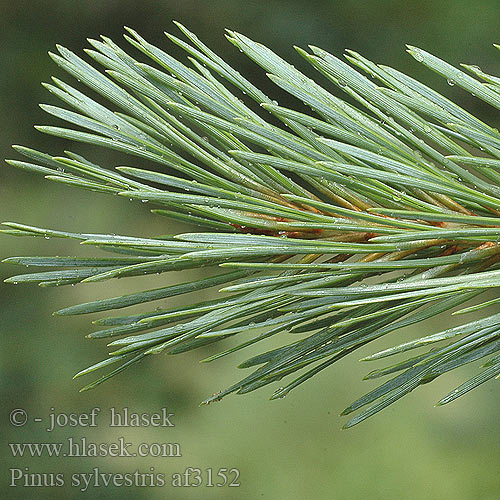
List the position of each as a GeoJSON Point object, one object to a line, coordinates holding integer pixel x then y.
{"type": "Point", "coordinates": [396, 183]}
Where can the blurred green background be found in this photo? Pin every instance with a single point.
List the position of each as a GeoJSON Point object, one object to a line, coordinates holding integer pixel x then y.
{"type": "Point", "coordinates": [287, 449]}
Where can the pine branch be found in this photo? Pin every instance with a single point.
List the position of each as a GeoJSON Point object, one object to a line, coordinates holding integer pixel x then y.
{"type": "Point", "coordinates": [302, 213]}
